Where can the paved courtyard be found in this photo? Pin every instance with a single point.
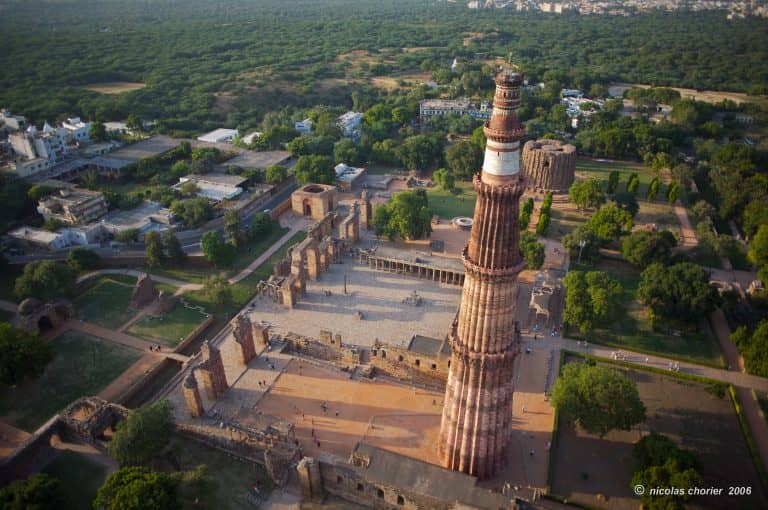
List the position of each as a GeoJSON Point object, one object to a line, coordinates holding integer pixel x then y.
{"type": "Point", "coordinates": [377, 295]}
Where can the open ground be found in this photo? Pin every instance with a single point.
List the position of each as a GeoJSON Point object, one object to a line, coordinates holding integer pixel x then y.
{"type": "Point", "coordinates": [114, 87]}
{"type": "Point", "coordinates": [597, 472]}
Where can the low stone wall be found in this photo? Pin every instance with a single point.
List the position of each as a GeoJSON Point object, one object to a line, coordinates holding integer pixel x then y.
{"type": "Point", "coordinates": [133, 394]}
{"type": "Point", "coordinates": [31, 454]}
{"type": "Point", "coordinates": [194, 334]}
{"type": "Point", "coordinates": [278, 210]}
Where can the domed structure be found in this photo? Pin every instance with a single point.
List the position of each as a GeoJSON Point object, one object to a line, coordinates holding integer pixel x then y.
{"type": "Point", "coordinates": [549, 165]}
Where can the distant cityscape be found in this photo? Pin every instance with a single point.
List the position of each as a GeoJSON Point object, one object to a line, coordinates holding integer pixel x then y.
{"type": "Point", "coordinates": [735, 8]}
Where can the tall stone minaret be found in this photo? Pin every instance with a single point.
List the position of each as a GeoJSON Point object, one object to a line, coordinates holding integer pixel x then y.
{"type": "Point", "coordinates": [485, 339]}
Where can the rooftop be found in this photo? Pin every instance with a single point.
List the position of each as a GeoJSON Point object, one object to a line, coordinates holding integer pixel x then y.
{"type": "Point", "coordinates": [34, 235]}
{"type": "Point", "coordinates": [445, 103]}
{"type": "Point", "coordinates": [215, 178]}
{"type": "Point", "coordinates": [136, 217]}
{"type": "Point", "coordinates": [218, 135]}
{"type": "Point", "coordinates": [148, 148]}
{"type": "Point", "coordinates": [70, 196]}
{"type": "Point", "coordinates": [429, 346]}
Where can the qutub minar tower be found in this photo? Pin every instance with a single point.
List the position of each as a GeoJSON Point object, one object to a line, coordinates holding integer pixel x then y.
{"type": "Point", "coordinates": [485, 338]}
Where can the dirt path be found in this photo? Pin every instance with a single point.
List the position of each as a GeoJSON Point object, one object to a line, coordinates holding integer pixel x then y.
{"type": "Point", "coordinates": [245, 273]}
{"type": "Point", "coordinates": [689, 237]}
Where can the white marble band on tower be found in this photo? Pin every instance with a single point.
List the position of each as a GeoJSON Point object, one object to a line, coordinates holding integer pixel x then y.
{"type": "Point", "coordinates": [502, 158]}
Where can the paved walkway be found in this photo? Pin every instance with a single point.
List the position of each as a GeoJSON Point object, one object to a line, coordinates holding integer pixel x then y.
{"type": "Point", "coordinates": [245, 273]}
{"type": "Point", "coordinates": [121, 338]}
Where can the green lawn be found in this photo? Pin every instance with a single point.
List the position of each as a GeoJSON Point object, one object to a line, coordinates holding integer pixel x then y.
{"type": "Point", "coordinates": [253, 250]}
{"type": "Point", "coordinates": [170, 328]}
{"type": "Point", "coordinates": [564, 222]}
{"type": "Point", "coordinates": [106, 302]}
{"type": "Point", "coordinates": [80, 478]}
{"type": "Point", "coordinates": [448, 205]}
{"type": "Point", "coordinates": [243, 291]}
{"type": "Point", "coordinates": [593, 169]}
{"type": "Point", "coordinates": [83, 365]}
{"type": "Point", "coordinates": [632, 329]}
{"type": "Point", "coordinates": [188, 274]}
{"type": "Point", "coordinates": [233, 478]}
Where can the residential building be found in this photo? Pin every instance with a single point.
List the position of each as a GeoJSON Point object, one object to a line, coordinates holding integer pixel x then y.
{"type": "Point", "coordinates": [221, 135]}
{"type": "Point", "coordinates": [38, 238]}
{"type": "Point", "coordinates": [77, 130]}
{"type": "Point", "coordinates": [429, 108]}
{"type": "Point", "coordinates": [251, 137]}
{"type": "Point", "coordinates": [303, 127]}
{"type": "Point", "coordinates": [350, 124]}
{"type": "Point", "coordinates": [347, 176]}
{"type": "Point", "coordinates": [10, 122]}
{"type": "Point", "coordinates": [73, 206]}
{"type": "Point", "coordinates": [36, 151]}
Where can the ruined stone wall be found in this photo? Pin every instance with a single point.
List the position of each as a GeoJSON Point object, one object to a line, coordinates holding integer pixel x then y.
{"type": "Point", "coordinates": [549, 165]}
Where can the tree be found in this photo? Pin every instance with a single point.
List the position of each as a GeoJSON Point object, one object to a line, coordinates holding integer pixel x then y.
{"type": "Point", "coordinates": [406, 215]}
{"type": "Point", "coordinates": [525, 213]}
{"type": "Point", "coordinates": [659, 462]}
{"type": "Point", "coordinates": [260, 224]}
{"type": "Point", "coordinates": [44, 280]}
{"type": "Point", "coordinates": [316, 169]}
{"type": "Point", "coordinates": [613, 181]}
{"type": "Point", "coordinates": [644, 247]}
{"type": "Point", "coordinates": [216, 250]}
{"type": "Point", "coordinates": [21, 355]}
{"type": "Point", "coordinates": [419, 152]}
{"type": "Point", "coordinates": [129, 235]}
{"type": "Point", "coordinates": [680, 292]}
{"type": "Point", "coordinates": [189, 189]}
{"type": "Point", "coordinates": [610, 222]}
{"type": "Point", "coordinates": [345, 151]}
{"type": "Point", "coordinates": [633, 183]}
{"type": "Point", "coordinates": [134, 123]}
{"type": "Point", "coordinates": [97, 131]}
{"type": "Point", "coordinates": [464, 159]}
{"type": "Point", "coordinates": [173, 248]}
{"type": "Point", "coordinates": [217, 290]}
{"type": "Point", "coordinates": [275, 174]}
{"type": "Point", "coordinates": [627, 202]}
{"type": "Point", "coordinates": [154, 249]}
{"type": "Point", "coordinates": [38, 492]}
{"type": "Point", "coordinates": [597, 398]}
{"type": "Point", "coordinates": [444, 179]}
{"type": "Point", "coordinates": [137, 488]}
{"type": "Point", "coordinates": [758, 251]}
{"type": "Point", "coordinates": [583, 245]}
{"type": "Point", "coordinates": [587, 194]}
{"type": "Point", "coordinates": [703, 209]}
{"type": "Point", "coordinates": [143, 434]}
{"type": "Point", "coordinates": [233, 228]}
{"type": "Point", "coordinates": [590, 297]}
{"type": "Point", "coordinates": [753, 347]}
{"type": "Point", "coordinates": [193, 212]}
{"type": "Point", "coordinates": [673, 191]}
{"type": "Point", "coordinates": [532, 250]}
{"type": "Point", "coordinates": [80, 259]}
{"type": "Point", "coordinates": [653, 189]}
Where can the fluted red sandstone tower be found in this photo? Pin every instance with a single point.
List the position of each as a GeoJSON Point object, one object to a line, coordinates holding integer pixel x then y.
{"type": "Point", "coordinates": [485, 338]}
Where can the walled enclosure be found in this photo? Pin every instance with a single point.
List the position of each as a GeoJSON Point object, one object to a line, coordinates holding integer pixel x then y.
{"type": "Point", "coordinates": [314, 200]}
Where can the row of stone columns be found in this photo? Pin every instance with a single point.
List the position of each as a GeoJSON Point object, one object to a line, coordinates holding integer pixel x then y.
{"type": "Point", "coordinates": [423, 272]}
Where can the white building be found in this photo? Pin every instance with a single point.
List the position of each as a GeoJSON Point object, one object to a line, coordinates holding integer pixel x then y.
{"type": "Point", "coordinates": [350, 124]}
{"type": "Point", "coordinates": [429, 108]}
{"type": "Point", "coordinates": [251, 137]}
{"type": "Point", "coordinates": [216, 187]}
{"type": "Point", "coordinates": [12, 122]}
{"type": "Point", "coordinates": [38, 238]}
{"type": "Point", "coordinates": [147, 217]}
{"type": "Point", "coordinates": [303, 127]}
{"type": "Point", "coordinates": [37, 151]}
{"type": "Point", "coordinates": [346, 175]}
{"type": "Point", "coordinates": [76, 129]}
{"type": "Point", "coordinates": [221, 135]}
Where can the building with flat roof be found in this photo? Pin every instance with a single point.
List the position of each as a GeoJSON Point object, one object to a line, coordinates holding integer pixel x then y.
{"type": "Point", "coordinates": [429, 108]}
{"type": "Point", "coordinates": [221, 135]}
{"type": "Point", "coordinates": [303, 127]}
{"type": "Point", "coordinates": [73, 206]}
{"type": "Point", "coordinates": [77, 130]}
{"type": "Point", "coordinates": [216, 187]}
{"type": "Point", "coordinates": [38, 238]}
{"type": "Point", "coordinates": [347, 176]}
{"type": "Point", "coordinates": [350, 124]}
{"type": "Point", "coordinates": [145, 218]}
{"type": "Point", "coordinates": [11, 122]}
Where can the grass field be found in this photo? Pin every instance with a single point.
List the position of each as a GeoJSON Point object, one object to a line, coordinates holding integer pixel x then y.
{"type": "Point", "coordinates": [83, 365]}
{"type": "Point", "coordinates": [564, 222]}
{"type": "Point", "coordinates": [243, 291]}
{"type": "Point", "coordinates": [233, 478]}
{"type": "Point", "coordinates": [585, 466]}
{"type": "Point", "coordinates": [106, 301]}
{"type": "Point", "coordinates": [448, 205]}
{"type": "Point", "coordinates": [253, 250]}
{"type": "Point", "coordinates": [632, 329]}
{"type": "Point", "coordinates": [187, 274]}
{"type": "Point", "coordinates": [80, 478]}
{"type": "Point", "coordinates": [600, 169]}
{"type": "Point", "coordinates": [170, 328]}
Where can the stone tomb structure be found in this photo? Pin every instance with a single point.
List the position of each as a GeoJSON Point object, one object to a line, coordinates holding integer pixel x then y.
{"type": "Point", "coordinates": [144, 292]}
{"type": "Point", "coordinates": [314, 200]}
{"type": "Point", "coordinates": [34, 316]}
{"type": "Point", "coordinates": [549, 165]}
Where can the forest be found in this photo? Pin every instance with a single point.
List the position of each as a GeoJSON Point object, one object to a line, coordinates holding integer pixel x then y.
{"type": "Point", "coordinates": [208, 63]}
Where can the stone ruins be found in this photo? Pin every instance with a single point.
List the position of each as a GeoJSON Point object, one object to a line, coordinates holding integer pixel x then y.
{"type": "Point", "coordinates": [549, 165]}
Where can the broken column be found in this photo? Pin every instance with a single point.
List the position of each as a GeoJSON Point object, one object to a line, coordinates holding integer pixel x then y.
{"type": "Point", "coordinates": [310, 481]}
{"type": "Point", "coordinates": [260, 334]}
{"type": "Point", "coordinates": [243, 333]}
{"type": "Point", "coordinates": [192, 396]}
{"type": "Point", "coordinates": [212, 371]}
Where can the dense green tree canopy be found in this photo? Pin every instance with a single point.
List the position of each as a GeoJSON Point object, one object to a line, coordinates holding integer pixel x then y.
{"type": "Point", "coordinates": [137, 488]}
{"type": "Point", "coordinates": [587, 194]}
{"type": "Point", "coordinates": [45, 279]}
{"type": "Point", "coordinates": [532, 250]}
{"type": "Point", "coordinates": [597, 398]}
{"type": "Point", "coordinates": [193, 212]}
{"type": "Point", "coordinates": [275, 174]}
{"type": "Point", "coordinates": [753, 346]}
{"type": "Point", "coordinates": [217, 250]}
{"type": "Point", "coordinates": [21, 355]}
{"type": "Point", "coordinates": [407, 215]}
{"type": "Point", "coordinates": [142, 435]}
{"type": "Point", "coordinates": [678, 292]}
{"type": "Point", "coordinates": [38, 492]}
{"type": "Point", "coordinates": [418, 152]}
{"type": "Point", "coordinates": [464, 159]}
{"type": "Point", "coordinates": [80, 259]}
{"type": "Point", "coordinates": [444, 178]}
{"type": "Point", "coordinates": [610, 222]}
{"type": "Point", "coordinates": [314, 168]}
{"type": "Point", "coordinates": [589, 298]}
{"type": "Point", "coordinates": [644, 247]}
